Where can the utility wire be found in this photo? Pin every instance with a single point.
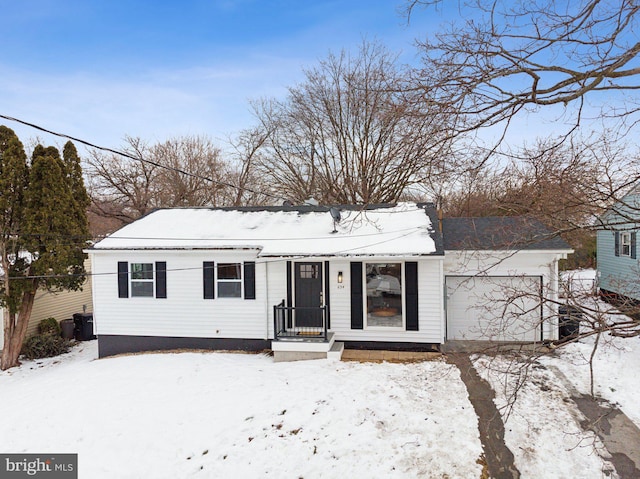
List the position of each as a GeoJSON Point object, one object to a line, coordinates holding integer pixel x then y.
{"type": "Point", "coordinates": [159, 165]}
{"type": "Point", "coordinates": [177, 238]}
{"type": "Point", "coordinates": [143, 160]}
{"type": "Point", "coordinates": [271, 260]}
{"type": "Point", "coordinates": [186, 173]}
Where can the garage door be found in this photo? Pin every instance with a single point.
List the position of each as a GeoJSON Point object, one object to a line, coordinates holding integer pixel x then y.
{"type": "Point", "coordinates": [495, 308]}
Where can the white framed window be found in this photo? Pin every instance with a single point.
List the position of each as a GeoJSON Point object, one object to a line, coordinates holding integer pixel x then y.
{"type": "Point", "coordinates": [142, 280]}
{"type": "Point", "coordinates": [384, 298]}
{"type": "Point", "coordinates": [625, 244]}
{"type": "Point", "coordinates": [229, 280]}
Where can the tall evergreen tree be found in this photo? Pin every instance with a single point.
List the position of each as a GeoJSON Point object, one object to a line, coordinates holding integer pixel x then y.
{"type": "Point", "coordinates": [13, 182]}
{"type": "Point", "coordinates": [42, 246]}
{"type": "Point", "coordinates": [80, 201]}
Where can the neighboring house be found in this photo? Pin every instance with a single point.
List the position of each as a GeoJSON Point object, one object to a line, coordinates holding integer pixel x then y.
{"type": "Point", "coordinates": [61, 305]}
{"type": "Point", "coordinates": [282, 278]}
{"type": "Point", "coordinates": [618, 263]}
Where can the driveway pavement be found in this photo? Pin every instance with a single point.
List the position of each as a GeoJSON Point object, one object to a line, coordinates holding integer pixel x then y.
{"type": "Point", "coordinates": [620, 435]}
{"type": "Point", "coordinates": [499, 458]}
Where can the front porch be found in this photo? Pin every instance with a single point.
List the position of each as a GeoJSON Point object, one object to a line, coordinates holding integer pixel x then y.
{"type": "Point", "coordinates": [302, 333]}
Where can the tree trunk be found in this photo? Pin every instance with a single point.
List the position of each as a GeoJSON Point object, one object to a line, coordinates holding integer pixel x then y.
{"type": "Point", "coordinates": [13, 343]}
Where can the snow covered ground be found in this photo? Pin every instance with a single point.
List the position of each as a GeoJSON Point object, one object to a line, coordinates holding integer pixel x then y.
{"type": "Point", "coordinates": [543, 425]}
{"type": "Point", "coordinates": [241, 416]}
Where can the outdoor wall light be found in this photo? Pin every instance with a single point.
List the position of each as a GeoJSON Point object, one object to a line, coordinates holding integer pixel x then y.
{"type": "Point", "coordinates": [340, 277]}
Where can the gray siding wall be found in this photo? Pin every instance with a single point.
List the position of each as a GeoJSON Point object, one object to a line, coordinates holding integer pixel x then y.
{"type": "Point", "coordinates": [619, 274]}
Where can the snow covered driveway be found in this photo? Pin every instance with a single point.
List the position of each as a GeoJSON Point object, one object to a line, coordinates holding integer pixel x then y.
{"type": "Point", "coordinates": [241, 416]}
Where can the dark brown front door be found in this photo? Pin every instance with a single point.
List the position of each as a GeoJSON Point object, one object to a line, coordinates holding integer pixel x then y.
{"type": "Point", "coordinates": [308, 286]}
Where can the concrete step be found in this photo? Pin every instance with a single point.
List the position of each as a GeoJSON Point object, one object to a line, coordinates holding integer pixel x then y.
{"type": "Point", "coordinates": [335, 353]}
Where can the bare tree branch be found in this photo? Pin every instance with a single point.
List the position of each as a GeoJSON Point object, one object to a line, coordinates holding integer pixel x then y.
{"type": "Point", "coordinates": [511, 57]}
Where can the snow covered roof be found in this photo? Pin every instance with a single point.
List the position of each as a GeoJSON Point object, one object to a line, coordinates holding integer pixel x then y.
{"type": "Point", "coordinates": [380, 230]}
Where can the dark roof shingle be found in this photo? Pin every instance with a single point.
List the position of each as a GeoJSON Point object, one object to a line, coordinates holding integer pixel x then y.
{"type": "Point", "coordinates": [499, 233]}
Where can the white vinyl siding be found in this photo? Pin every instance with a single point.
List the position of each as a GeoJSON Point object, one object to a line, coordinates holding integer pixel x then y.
{"type": "Point", "coordinates": [494, 308]}
{"type": "Point", "coordinates": [185, 313]}
{"type": "Point", "coordinates": [531, 263]}
{"type": "Point", "coordinates": [430, 313]}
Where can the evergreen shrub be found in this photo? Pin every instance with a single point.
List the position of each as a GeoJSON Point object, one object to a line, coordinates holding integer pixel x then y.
{"type": "Point", "coordinates": [49, 326]}
{"type": "Point", "coordinates": [44, 346]}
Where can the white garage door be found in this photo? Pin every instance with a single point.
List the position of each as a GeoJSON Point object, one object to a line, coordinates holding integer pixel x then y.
{"type": "Point", "coordinates": [495, 308]}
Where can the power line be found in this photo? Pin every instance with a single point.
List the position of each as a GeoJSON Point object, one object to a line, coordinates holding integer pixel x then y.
{"type": "Point", "coordinates": [303, 238]}
{"type": "Point", "coordinates": [271, 260]}
{"type": "Point", "coordinates": [111, 236]}
{"type": "Point", "coordinates": [159, 165]}
{"type": "Point", "coordinates": [143, 160]}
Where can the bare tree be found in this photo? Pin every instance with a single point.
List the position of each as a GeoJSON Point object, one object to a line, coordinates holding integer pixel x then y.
{"type": "Point", "coordinates": [125, 189]}
{"type": "Point", "coordinates": [119, 187]}
{"type": "Point", "coordinates": [246, 152]}
{"type": "Point", "coordinates": [350, 133]}
{"type": "Point", "coordinates": [198, 156]}
{"type": "Point", "coordinates": [508, 57]}
{"type": "Point", "coordinates": [564, 185]}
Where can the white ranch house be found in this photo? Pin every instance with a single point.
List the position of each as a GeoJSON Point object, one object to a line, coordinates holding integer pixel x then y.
{"type": "Point", "coordinates": [294, 280]}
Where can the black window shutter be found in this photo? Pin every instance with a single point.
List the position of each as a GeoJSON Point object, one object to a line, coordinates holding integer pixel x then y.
{"type": "Point", "coordinates": [633, 245]}
{"type": "Point", "coordinates": [357, 313]}
{"type": "Point", "coordinates": [327, 300]}
{"type": "Point", "coordinates": [249, 280]}
{"type": "Point", "coordinates": [208, 283]}
{"type": "Point", "coordinates": [617, 243]}
{"type": "Point", "coordinates": [123, 279]}
{"type": "Point", "coordinates": [161, 279]}
{"type": "Point", "coordinates": [289, 295]}
{"type": "Point", "coordinates": [411, 294]}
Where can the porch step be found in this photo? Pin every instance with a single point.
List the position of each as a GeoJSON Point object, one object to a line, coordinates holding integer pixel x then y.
{"type": "Point", "coordinates": [288, 350]}
{"type": "Point", "coordinates": [335, 353]}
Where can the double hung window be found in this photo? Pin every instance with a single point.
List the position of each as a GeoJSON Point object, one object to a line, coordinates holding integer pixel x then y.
{"type": "Point", "coordinates": [142, 280]}
{"type": "Point", "coordinates": [229, 276]}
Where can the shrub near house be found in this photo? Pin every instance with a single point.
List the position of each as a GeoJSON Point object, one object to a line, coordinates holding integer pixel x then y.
{"type": "Point", "coordinates": [47, 342]}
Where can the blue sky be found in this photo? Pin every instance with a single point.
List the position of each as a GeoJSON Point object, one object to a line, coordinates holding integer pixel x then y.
{"type": "Point", "coordinates": [104, 69]}
{"type": "Point", "coordinates": [100, 70]}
